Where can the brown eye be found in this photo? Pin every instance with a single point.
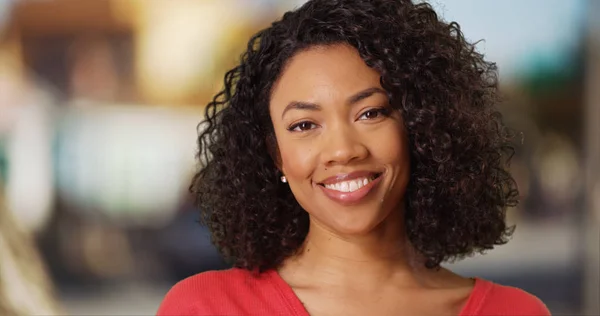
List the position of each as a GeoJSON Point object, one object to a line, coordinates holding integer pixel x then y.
{"type": "Point", "coordinates": [302, 126]}
{"type": "Point", "coordinates": [373, 114]}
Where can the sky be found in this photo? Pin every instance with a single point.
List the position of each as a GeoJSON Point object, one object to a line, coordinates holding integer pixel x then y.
{"type": "Point", "coordinates": [519, 34]}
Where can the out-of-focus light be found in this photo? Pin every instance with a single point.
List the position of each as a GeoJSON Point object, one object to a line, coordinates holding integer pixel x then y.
{"type": "Point", "coordinates": [558, 167]}
{"type": "Point", "coordinates": [133, 165]}
{"type": "Point", "coordinates": [30, 183]}
{"type": "Point", "coordinates": [180, 45]}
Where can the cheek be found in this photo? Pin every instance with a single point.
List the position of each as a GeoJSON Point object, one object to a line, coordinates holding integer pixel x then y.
{"type": "Point", "coordinates": [395, 150]}
{"type": "Point", "coordinates": [297, 160]}
{"type": "Point", "coordinates": [398, 152]}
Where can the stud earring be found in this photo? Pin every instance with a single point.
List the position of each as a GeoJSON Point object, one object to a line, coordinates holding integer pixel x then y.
{"type": "Point", "coordinates": [283, 179]}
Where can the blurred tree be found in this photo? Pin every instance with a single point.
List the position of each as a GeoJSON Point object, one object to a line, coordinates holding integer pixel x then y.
{"type": "Point", "coordinates": [25, 288]}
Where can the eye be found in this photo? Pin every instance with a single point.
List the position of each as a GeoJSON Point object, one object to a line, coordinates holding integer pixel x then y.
{"type": "Point", "coordinates": [372, 114]}
{"type": "Point", "coordinates": [302, 126]}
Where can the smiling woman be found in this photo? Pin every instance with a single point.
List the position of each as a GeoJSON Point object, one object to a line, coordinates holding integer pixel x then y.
{"type": "Point", "coordinates": [354, 149]}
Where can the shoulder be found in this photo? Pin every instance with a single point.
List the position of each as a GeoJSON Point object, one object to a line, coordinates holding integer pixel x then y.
{"type": "Point", "coordinates": [209, 292]}
{"type": "Point", "coordinates": [497, 299]}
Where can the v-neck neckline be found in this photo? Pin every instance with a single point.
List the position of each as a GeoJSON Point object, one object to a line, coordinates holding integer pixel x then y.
{"type": "Point", "coordinates": [296, 307]}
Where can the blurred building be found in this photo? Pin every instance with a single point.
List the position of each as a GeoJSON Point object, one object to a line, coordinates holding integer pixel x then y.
{"type": "Point", "coordinates": [151, 52]}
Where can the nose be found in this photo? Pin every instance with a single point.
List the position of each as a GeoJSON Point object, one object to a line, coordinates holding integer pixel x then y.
{"type": "Point", "coordinates": [341, 146]}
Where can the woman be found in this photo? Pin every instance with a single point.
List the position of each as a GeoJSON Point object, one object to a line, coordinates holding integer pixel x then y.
{"type": "Point", "coordinates": [354, 149]}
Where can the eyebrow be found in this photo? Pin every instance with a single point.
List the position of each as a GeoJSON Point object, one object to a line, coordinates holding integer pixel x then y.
{"type": "Point", "coordinates": [309, 106]}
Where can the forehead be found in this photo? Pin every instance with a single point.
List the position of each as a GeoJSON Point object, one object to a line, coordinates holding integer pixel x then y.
{"type": "Point", "coordinates": [323, 73]}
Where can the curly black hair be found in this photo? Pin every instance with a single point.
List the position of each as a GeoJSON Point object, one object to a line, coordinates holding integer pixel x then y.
{"type": "Point", "coordinates": [459, 188]}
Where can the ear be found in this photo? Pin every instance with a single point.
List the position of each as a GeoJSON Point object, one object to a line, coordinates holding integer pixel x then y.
{"type": "Point", "coordinates": [273, 150]}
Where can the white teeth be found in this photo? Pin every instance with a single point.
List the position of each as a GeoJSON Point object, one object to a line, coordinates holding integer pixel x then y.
{"type": "Point", "coordinates": [344, 187]}
{"type": "Point", "coordinates": [349, 186]}
{"type": "Point", "coordinates": [360, 184]}
{"type": "Point", "coordinates": [354, 185]}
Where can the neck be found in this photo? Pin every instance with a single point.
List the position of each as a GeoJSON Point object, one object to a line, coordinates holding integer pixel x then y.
{"type": "Point", "coordinates": [379, 256]}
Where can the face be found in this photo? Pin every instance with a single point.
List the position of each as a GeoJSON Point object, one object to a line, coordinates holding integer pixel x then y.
{"type": "Point", "coordinates": [342, 147]}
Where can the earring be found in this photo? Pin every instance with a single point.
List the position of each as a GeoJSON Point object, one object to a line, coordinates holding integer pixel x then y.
{"type": "Point", "coordinates": [283, 179]}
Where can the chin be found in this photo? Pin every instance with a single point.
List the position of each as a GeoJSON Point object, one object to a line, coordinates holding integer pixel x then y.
{"type": "Point", "coordinates": [355, 227]}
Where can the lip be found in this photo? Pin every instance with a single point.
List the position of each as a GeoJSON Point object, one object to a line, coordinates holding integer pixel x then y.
{"type": "Point", "coordinates": [350, 198]}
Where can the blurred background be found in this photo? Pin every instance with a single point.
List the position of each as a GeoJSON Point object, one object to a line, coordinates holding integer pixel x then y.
{"type": "Point", "coordinates": [99, 102]}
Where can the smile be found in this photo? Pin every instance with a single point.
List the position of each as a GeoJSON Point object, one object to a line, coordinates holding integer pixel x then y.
{"type": "Point", "coordinates": [348, 189]}
{"type": "Point", "coordinates": [351, 185]}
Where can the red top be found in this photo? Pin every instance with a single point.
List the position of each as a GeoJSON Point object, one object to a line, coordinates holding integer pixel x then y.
{"type": "Point", "coordinates": [240, 292]}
